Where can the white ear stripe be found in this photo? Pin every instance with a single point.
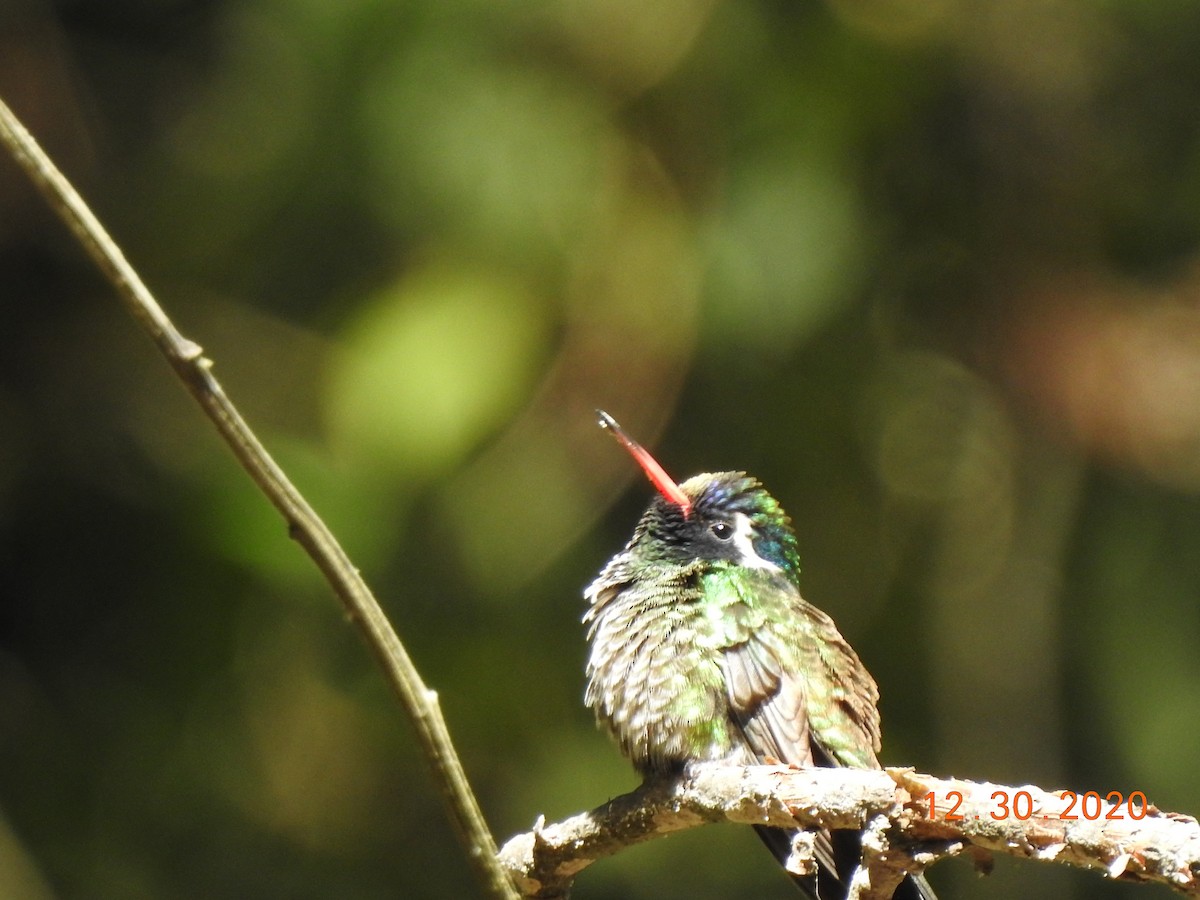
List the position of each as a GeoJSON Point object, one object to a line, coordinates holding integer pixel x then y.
{"type": "Point", "coordinates": [742, 539]}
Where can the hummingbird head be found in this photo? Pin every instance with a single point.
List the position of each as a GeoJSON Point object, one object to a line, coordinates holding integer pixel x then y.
{"type": "Point", "coordinates": [715, 516]}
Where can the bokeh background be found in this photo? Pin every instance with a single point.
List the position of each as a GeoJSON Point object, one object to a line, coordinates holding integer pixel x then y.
{"type": "Point", "coordinates": [929, 268]}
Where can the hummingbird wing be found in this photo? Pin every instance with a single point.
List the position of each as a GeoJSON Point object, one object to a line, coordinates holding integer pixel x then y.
{"type": "Point", "coordinates": [842, 698]}
{"type": "Point", "coordinates": [768, 703]}
{"type": "Point", "coordinates": [799, 694]}
{"type": "Point", "coordinates": [794, 685]}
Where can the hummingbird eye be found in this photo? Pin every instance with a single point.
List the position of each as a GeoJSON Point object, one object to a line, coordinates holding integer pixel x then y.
{"type": "Point", "coordinates": [722, 531]}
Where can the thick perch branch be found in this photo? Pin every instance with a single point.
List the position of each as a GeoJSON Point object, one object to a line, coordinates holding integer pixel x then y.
{"type": "Point", "coordinates": [1156, 847]}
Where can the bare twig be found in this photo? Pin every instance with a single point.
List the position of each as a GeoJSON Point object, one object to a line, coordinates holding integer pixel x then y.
{"type": "Point", "coordinates": [189, 363]}
{"type": "Point", "coordinates": [1128, 841]}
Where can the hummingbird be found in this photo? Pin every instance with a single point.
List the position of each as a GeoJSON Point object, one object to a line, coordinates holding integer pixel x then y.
{"type": "Point", "coordinates": [702, 649]}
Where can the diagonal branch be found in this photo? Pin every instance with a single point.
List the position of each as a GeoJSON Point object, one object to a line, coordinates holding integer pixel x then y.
{"type": "Point", "coordinates": [1128, 840]}
{"type": "Point", "coordinates": [189, 363]}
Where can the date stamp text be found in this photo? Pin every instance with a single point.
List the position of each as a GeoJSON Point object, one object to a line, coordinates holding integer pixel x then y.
{"type": "Point", "coordinates": [1019, 805]}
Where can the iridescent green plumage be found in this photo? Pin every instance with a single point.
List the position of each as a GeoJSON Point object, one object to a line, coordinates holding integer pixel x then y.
{"type": "Point", "coordinates": [703, 652]}
{"type": "Point", "coordinates": [703, 649]}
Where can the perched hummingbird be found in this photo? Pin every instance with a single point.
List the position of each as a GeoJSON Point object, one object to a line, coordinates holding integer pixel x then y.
{"type": "Point", "coordinates": [703, 649]}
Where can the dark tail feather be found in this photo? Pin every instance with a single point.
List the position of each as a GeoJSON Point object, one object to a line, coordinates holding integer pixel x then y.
{"type": "Point", "coordinates": [838, 854]}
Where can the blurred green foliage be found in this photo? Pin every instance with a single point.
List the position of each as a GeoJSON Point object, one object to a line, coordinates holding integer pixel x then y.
{"type": "Point", "coordinates": [926, 267]}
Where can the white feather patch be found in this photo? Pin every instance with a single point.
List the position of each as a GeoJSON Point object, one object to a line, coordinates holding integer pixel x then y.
{"type": "Point", "coordinates": [743, 539]}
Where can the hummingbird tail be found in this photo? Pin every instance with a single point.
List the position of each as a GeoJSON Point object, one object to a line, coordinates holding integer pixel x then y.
{"type": "Point", "coordinates": [838, 854]}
